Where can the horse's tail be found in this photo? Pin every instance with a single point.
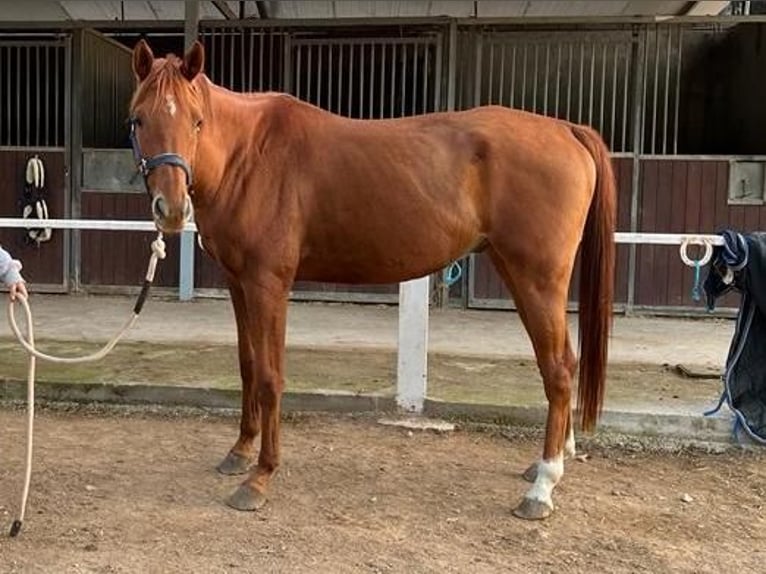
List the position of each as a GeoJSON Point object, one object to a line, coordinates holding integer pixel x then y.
{"type": "Point", "coordinates": [597, 255]}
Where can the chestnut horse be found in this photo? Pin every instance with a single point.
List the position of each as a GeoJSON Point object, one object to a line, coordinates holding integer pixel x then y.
{"type": "Point", "coordinates": [283, 191]}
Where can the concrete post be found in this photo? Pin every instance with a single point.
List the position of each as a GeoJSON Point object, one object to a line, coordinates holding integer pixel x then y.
{"type": "Point", "coordinates": [412, 363]}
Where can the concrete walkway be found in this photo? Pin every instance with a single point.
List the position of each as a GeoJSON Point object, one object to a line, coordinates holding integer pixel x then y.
{"type": "Point", "coordinates": [695, 343]}
{"type": "Point", "coordinates": [321, 325]}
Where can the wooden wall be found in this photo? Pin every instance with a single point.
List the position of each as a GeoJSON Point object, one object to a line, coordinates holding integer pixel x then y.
{"type": "Point", "coordinates": [43, 264]}
{"type": "Point", "coordinates": [207, 274]}
{"type": "Point", "coordinates": [684, 195]}
{"type": "Point", "coordinates": [110, 258]}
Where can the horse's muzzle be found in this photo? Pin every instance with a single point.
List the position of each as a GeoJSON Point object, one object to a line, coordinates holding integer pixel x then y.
{"type": "Point", "coordinates": [170, 218]}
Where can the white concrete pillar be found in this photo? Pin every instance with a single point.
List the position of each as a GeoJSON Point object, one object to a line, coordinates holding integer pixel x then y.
{"type": "Point", "coordinates": [412, 364]}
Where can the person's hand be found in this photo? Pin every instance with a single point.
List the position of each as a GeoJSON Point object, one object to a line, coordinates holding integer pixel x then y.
{"type": "Point", "coordinates": [18, 288]}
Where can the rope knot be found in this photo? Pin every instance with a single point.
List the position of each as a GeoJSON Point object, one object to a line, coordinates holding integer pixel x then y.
{"type": "Point", "coordinates": [158, 247]}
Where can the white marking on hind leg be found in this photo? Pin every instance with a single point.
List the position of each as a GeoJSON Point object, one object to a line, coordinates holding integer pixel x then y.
{"type": "Point", "coordinates": [569, 449]}
{"type": "Point", "coordinates": [569, 445]}
{"type": "Point", "coordinates": [549, 472]}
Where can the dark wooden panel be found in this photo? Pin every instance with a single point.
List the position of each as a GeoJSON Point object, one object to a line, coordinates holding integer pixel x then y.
{"type": "Point", "coordinates": [676, 270]}
{"type": "Point", "coordinates": [487, 284]}
{"type": "Point", "coordinates": [624, 175]}
{"type": "Point", "coordinates": [752, 219]}
{"type": "Point", "coordinates": [43, 264]}
{"type": "Point", "coordinates": [737, 216]}
{"type": "Point", "coordinates": [665, 257]}
{"type": "Point", "coordinates": [120, 257]}
{"type": "Point", "coordinates": [695, 202]}
{"type": "Point", "coordinates": [207, 274]}
{"type": "Point", "coordinates": [661, 276]}
{"type": "Point", "coordinates": [650, 177]}
{"type": "Point", "coordinates": [693, 223]}
{"type": "Point", "coordinates": [708, 197]}
{"type": "Point", "coordinates": [92, 270]}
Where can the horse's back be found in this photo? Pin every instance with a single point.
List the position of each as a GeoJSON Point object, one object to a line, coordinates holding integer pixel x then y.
{"type": "Point", "coordinates": [431, 186]}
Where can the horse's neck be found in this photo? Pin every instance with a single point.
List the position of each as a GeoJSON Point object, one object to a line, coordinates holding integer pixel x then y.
{"type": "Point", "coordinates": [224, 133]}
{"type": "Point", "coordinates": [234, 122]}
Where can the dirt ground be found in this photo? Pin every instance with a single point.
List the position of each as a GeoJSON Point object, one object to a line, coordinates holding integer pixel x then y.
{"type": "Point", "coordinates": [129, 491]}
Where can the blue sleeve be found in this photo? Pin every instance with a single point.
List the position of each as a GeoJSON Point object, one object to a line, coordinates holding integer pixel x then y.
{"type": "Point", "coordinates": [10, 268]}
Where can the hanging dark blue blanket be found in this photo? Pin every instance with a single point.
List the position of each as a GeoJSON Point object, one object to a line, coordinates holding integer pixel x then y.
{"type": "Point", "coordinates": [740, 265]}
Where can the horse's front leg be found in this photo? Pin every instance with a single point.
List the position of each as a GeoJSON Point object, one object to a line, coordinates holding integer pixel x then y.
{"type": "Point", "coordinates": [242, 454]}
{"type": "Point", "coordinates": [266, 300]}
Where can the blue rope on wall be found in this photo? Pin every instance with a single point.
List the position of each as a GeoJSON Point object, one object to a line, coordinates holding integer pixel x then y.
{"type": "Point", "coordinates": [453, 273]}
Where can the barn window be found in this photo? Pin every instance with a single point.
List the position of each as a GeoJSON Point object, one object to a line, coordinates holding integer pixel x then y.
{"type": "Point", "coordinates": [747, 181]}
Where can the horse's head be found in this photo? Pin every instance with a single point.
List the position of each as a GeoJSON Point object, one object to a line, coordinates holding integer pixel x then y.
{"type": "Point", "coordinates": [165, 121]}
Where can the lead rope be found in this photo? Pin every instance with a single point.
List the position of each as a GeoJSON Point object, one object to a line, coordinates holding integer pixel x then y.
{"type": "Point", "coordinates": [28, 342]}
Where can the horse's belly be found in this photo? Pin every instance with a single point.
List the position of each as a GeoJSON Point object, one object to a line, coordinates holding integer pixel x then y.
{"type": "Point", "coordinates": [387, 260]}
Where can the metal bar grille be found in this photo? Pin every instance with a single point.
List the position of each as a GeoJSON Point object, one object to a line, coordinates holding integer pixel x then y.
{"type": "Point", "coordinates": [245, 59]}
{"type": "Point", "coordinates": [579, 76]}
{"type": "Point", "coordinates": [369, 77]}
{"type": "Point", "coordinates": [664, 53]}
{"type": "Point", "coordinates": [32, 85]}
{"type": "Point", "coordinates": [363, 77]}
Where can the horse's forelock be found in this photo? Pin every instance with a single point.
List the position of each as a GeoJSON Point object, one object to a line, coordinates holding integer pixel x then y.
{"type": "Point", "coordinates": [165, 79]}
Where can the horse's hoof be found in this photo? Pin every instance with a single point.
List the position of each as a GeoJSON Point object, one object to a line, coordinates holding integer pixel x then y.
{"type": "Point", "coordinates": [530, 475]}
{"type": "Point", "coordinates": [246, 498]}
{"type": "Point", "coordinates": [530, 509]}
{"type": "Point", "coordinates": [234, 464]}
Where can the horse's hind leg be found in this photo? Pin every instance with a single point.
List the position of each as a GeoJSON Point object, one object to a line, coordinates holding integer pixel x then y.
{"type": "Point", "coordinates": [570, 448]}
{"type": "Point", "coordinates": [530, 474]}
{"type": "Point", "coordinates": [242, 454]}
{"type": "Point", "coordinates": [539, 286]}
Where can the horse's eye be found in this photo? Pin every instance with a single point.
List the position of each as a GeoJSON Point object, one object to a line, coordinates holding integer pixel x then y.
{"type": "Point", "coordinates": [198, 124]}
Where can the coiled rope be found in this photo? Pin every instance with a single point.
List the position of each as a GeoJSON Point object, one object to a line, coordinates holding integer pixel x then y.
{"type": "Point", "coordinates": [28, 342]}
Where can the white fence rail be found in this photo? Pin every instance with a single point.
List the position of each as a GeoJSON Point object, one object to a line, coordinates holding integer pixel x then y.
{"type": "Point", "coordinates": [118, 225]}
{"type": "Point", "coordinates": [667, 238]}
{"type": "Point", "coordinates": [86, 224]}
{"type": "Point", "coordinates": [411, 384]}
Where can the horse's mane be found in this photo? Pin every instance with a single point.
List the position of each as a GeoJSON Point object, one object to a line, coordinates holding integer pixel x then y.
{"type": "Point", "coordinates": [166, 78]}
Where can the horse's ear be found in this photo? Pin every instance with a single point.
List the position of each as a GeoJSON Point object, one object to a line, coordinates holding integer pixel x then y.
{"type": "Point", "coordinates": [194, 61]}
{"type": "Point", "coordinates": [143, 58]}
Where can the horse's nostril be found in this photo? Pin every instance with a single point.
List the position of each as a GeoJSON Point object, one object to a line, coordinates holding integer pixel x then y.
{"type": "Point", "coordinates": [159, 207]}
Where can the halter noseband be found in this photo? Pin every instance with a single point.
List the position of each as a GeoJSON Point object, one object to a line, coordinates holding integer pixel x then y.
{"type": "Point", "coordinates": [145, 165]}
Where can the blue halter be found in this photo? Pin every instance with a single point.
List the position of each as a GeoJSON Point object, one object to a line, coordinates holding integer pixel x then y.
{"type": "Point", "coordinates": [145, 165]}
